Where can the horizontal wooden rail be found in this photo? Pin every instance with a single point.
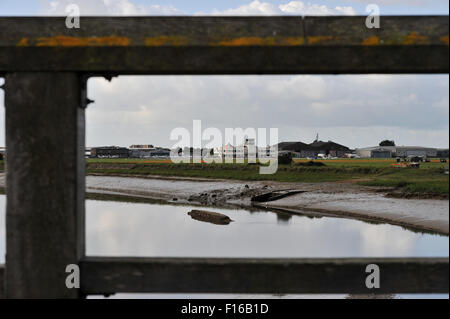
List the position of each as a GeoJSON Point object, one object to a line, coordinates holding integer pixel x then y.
{"type": "Point", "coordinates": [204, 275]}
{"type": "Point", "coordinates": [46, 235]}
{"type": "Point", "coordinates": [226, 45]}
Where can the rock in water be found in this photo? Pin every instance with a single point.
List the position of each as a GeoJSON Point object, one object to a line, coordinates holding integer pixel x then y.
{"type": "Point", "coordinates": [210, 217]}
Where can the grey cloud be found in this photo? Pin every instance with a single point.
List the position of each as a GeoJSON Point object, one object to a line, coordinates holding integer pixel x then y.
{"type": "Point", "coordinates": [153, 106]}
{"type": "Point", "coordinates": [354, 110]}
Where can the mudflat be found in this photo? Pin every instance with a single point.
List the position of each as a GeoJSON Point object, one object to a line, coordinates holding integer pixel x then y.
{"type": "Point", "coordinates": [347, 200]}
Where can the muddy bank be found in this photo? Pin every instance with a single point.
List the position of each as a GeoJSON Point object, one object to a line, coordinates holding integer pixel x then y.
{"type": "Point", "coordinates": [315, 199]}
{"type": "Point", "coordinates": [398, 194]}
{"type": "Point", "coordinates": [179, 190]}
{"type": "Point", "coordinates": [430, 215]}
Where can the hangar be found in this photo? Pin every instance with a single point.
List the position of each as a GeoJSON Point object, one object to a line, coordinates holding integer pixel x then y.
{"type": "Point", "coordinates": [396, 151]}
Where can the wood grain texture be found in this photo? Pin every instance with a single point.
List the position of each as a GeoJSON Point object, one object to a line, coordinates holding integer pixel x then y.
{"type": "Point", "coordinates": [206, 275]}
{"type": "Point", "coordinates": [45, 99]}
{"type": "Point", "coordinates": [45, 189]}
{"type": "Point", "coordinates": [226, 45]}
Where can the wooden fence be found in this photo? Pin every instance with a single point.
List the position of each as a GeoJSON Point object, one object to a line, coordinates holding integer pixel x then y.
{"type": "Point", "coordinates": [46, 67]}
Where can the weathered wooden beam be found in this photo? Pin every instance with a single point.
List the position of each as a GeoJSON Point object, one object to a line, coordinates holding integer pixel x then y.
{"type": "Point", "coordinates": [205, 275]}
{"type": "Point", "coordinates": [226, 45]}
{"type": "Point", "coordinates": [45, 182]}
{"type": "Point", "coordinates": [2, 281]}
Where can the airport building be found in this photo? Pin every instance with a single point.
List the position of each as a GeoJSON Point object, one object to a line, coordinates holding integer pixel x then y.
{"type": "Point", "coordinates": [109, 152]}
{"type": "Point", "coordinates": [147, 152]}
{"type": "Point", "coordinates": [316, 148]}
{"type": "Point", "coordinates": [396, 151]}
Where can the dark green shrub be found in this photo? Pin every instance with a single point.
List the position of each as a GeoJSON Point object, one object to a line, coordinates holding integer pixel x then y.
{"type": "Point", "coordinates": [285, 159]}
{"type": "Point", "coordinates": [311, 163]}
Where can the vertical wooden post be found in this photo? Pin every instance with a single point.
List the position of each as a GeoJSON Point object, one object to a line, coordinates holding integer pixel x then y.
{"type": "Point", "coordinates": [45, 137]}
{"type": "Point", "coordinates": [2, 281]}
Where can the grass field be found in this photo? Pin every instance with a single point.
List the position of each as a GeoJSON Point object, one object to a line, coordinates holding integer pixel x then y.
{"type": "Point", "coordinates": [429, 178]}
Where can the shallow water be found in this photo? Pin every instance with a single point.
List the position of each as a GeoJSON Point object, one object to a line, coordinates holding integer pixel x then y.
{"type": "Point", "coordinates": [130, 229]}
{"type": "Point", "coordinates": [149, 230]}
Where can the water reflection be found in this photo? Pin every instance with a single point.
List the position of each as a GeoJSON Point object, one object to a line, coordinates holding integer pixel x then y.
{"type": "Point", "coordinates": [130, 229]}
{"type": "Point", "coordinates": [283, 218]}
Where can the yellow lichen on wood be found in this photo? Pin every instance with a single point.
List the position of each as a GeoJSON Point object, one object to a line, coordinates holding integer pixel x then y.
{"type": "Point", "coordinates": [319, 39]}
{"type": "Point", "coordinates": [166, 40]}
{"type": "Point", "coordinates": [246, 41]}
{"type": "Point", "coordinates": [65, 41]}
{"type": "Point", "coordinates": [414, 38]}
{"type": "Point", "coordinates": [23, 42]}
{"type": "Point", "coordinates": [261, 41]}
{"type": "Point", "coordinates": [371, 41]}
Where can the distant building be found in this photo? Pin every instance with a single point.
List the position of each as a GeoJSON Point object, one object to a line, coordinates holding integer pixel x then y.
{"type": "Point", "coordinates": [250, 148]}
{"type": "Point", "coordinates": [143, 146]}
{"type": "Point", "coordinates": [297, 149]}
{"type": "Point", "coordinates": [396, 151]}
{"type": "Point", "coordinates": [147, 152]}
{"type": "Point", "coordinates": [161, 152]}
{"type": "Point", "coordinates": [376, 152]}
{"type": "Point", "coordinates": [303, 150]}
{"type": "Point", "coordinates": [330, 148]}
{"type": "Point", "coordinates": [228, 151]}
{"type": "Point", "coordinates": [246, 150]}
{"type": "Point", "coordinates": [109, 152]}
{"type": "Point", "coordinates": [442, 153]}
{"type": "Point", "coordinates": [407, 151]}
{"type": "Point", "coordinates": [140, 152]}
{"type": "Point", "coordinates": [381, 153]}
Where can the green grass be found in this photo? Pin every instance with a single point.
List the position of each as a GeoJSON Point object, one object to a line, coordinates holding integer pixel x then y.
{"type": "Point", "coordinates": [424, 180]}
{"type": "Point", "coordinates": [430, 178]}
{"type": "Point", "coordinates": [285, 173]}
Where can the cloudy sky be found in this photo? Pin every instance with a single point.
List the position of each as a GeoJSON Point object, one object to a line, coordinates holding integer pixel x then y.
{"type": "Point", "coordinates": [355, 110]}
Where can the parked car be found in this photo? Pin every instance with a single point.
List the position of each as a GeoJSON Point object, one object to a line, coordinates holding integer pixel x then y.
{"type": "Point", "coordinates": [416, 159]}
